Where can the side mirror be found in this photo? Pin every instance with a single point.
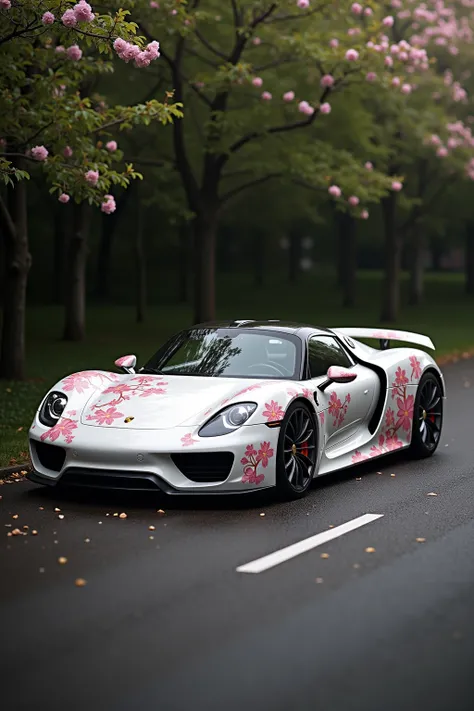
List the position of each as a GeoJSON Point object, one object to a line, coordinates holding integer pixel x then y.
{"type": "Point", "coordinates": [336, 374]}
{"type": "Point", "coordinates": [127, 363]}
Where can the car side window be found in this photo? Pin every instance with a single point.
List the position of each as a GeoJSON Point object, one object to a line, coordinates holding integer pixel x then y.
{"type": "Point", "coordinates": [324, 351]}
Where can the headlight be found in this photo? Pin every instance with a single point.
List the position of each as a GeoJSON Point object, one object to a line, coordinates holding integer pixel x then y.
{"type": "Point", "coordinates": [228, 420]}
{"type": "Point", "coordinates": [52, 408]}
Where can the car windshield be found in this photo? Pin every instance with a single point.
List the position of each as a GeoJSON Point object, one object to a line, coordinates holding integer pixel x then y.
{"type": "Point", "coordinates": [228, 353]}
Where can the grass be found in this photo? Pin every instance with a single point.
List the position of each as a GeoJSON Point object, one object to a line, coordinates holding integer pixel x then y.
{"type": "Point", "coordinates": [447, 316]}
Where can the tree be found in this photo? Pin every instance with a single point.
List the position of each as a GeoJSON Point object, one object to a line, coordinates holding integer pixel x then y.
{"type": "Point", "coordinates": [252, 76]}
{"type": "Point", "coordinates": [47, 119]}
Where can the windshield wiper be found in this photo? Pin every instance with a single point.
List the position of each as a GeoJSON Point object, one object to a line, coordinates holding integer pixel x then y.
{"type": "Point", "coordinates": [151, 371]}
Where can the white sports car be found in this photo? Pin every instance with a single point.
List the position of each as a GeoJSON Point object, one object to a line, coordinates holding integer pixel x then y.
{"type": "Point", "coordinates": [240, 406]}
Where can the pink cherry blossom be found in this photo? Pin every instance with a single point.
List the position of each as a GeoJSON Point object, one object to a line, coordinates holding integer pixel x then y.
{"type": "Point", "coordinates": [406, 89]}
{"type": "Point", "coordinates": [303, 4]}
{"type": "Point", "coordinates": [442, 152]}
{"type": "Point", "coordinates": [352, 55]}
{"type": "Point", "coordinates": [266, 96]}
{"type": "Point", "coordinates": [388, 21]}
{"type": "Point", "coordinates": [74, 52]}
{"type": "Point", "coordinates": [83, 12]}
{"type": "Point", "coordinates": [257, 81]}
{"type": "Point", "coordinates": [64, 198]}
{"type": "Point", "coordinates": [356, 8]}
{"type": "Point", "coordinates": [108, 206]}
{"type": "Point", "coordinates": [368, 165]}
{"type": "Point", "coordinates": [5, 4]}
{"type": "Point", "coordinates": [111, 146]}
{"type": "Point", "coordinates": [92, 177]}
{"type": "Point", "coordinates": [256, 41]}
{"type": "Point", "coordinates": [39, 152]}
{"type": "Point", "coordinates": [142, 59]}
{"type": "Point", "coordinates": [334, 43]}
{"type": "Point", "coordinates": [289, 96]}
{"type": "Point", "coordinates": [371, 76]}
{"type": "Point", "coordinates": [327, 81]}
{"type": "Point", "coordinates": [106, 417]}
{"type": "Point", "coordinates": [153, 50]}
{"type": "Point", "coordinates": [335, 191]}
{"type": "Point", "coordinates": [154, 5]}
{"type": "Point", "coordinates": [388, 61]}
{"type": "Point", "coordinates": [353, 200]}
{"type": "Point", "coordinates": [325, 108]}
{"type": "Point", "coordinates": [364, 215]}
{"type": "Point", "coordinates": [305, 108]}
{"type": "Point", "coordinates": [368, 11]}
{"type": "Point", "coordinates": [273, 412]}
{"type": "Point", "coordinates": [48, 18]}
{"type": "Point", "coordinates": [396, 186]}
{"type": "Point", "coordinates": [59, 49]}
{"type": "Point", "coordinates": [69, 18]}
{"type": "Point", "coordinates": [67, 152]}
{"type": "Point", "coordinates": [396, 81]}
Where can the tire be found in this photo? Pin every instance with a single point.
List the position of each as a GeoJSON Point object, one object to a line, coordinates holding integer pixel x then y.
{"type": "Point", "coordinates": [296, 452]}
{"type": "Point", "coordinates": [427, 417]}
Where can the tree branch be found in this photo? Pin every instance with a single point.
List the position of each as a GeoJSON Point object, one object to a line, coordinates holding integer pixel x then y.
{"type": "Point", "coordinates": [251, 184]}
{"type": "Point", "coordinates": [208, 45]}
{"type": "Point", "coordinates": [209, 62]}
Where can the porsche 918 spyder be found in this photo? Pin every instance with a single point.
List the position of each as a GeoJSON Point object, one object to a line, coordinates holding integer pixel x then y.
{"type": "Point", "coordinates": [239, 406]}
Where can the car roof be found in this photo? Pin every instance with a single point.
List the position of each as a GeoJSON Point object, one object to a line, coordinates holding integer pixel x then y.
{"type": "Point", "coordinates": [300, 329]}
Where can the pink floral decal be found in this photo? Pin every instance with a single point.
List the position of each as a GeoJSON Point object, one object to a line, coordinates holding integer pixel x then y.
{"type": "Point", "coordinates": [79, 382]}
{"type": "Point", "coordinates": [402, 421]}
{"type": "Point", "coordinates": [321, 417]}
{"type": "Point", "coordinates": [141, 386]}
{"type": "Point", "coordinates": [308, 393]}
{"type": "Point", "coordinates": [386, 334]}
{"type": "Point", "coordinates": [106, 417]}
{"type": "Point", "coordinates": [274, 411]}
{"type": "Point", "coordinates": [125, 361]}
{"type": "Point", "coordinates": [338, 409]}
{"type": "Point", "coordinates": [253, 459]}
{"type": "Point", "coordinates": [292, 392]}
{"type": "Point", "coordinates": [241, 392]}
{"type": "Point", "coordinates": [63, 428]}
{"type": "Point", "coordinates": [188, 440]}
{"type": "Point", "coordinates": [415, 368]}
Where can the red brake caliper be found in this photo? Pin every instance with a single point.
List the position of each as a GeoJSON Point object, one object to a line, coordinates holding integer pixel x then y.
{"type": "Point", "coordinates": [304, 449]}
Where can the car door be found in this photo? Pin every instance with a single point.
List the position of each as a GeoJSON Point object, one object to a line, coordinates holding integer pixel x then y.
{"type": "Point", "coordinates": [347, 407]}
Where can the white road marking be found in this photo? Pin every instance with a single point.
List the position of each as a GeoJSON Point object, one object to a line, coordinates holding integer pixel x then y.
{"type": "Point", "coordinates": [284, 554]}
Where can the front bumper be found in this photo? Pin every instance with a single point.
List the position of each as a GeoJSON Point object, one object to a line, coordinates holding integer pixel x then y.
{"type": "Point", "coordinates": [152, 460]}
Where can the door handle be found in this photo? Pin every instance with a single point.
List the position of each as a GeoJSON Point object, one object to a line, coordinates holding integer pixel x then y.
{"type": "Point", "coordinates": [365, 392]}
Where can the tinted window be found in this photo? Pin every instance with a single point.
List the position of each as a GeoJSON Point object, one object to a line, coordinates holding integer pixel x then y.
{"type": "Point", "coordinates": [229, 353]}
{"type": "Point", "coordinates": [324, 351]}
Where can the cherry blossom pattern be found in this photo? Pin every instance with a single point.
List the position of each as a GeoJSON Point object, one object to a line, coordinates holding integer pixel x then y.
{"type": "Point", "coordinates": [79, 382]}
{"type": "Point", "coordinates": [337, 408]}
{"type": "Point", "coordinates": [105, 417]}
{"type": "Point", "coordinates": [141, 386]}
{"type": "Point", "coordinates": [241, 392]}
{"type": "Point", "coordinates": [273, 412]}
{"type": "Point", "coordinates": [64, 428]}
{"type": "Point", "coordinates": [396, 424]}
{"type": "Point", "coordinates": [253, 459]}
{"type": "Point", "coordinates": [321, 417]}
{"type": "Point", "coordinates": [188, 440]}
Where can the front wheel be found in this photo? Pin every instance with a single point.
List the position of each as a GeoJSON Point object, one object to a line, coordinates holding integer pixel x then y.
{"type": "Point", "coordinates": [296, 452]}
{"type": "Point", "coordinates": [427, 417]}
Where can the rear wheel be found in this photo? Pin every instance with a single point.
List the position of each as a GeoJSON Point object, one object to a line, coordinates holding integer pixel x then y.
{"type": "Point", "coordinates": [427, 417]}
{"type": "Point", "coordinates": [296, 452]}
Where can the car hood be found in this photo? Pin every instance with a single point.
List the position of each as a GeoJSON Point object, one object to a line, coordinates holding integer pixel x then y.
{"type": "Point", "coordinates": [163, 402]}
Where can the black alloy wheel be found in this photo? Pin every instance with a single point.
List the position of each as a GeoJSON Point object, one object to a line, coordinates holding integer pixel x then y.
{"type": "Point", "coordinates": [297, 452]}
{"type": "Point", "coordinates": [427, 417]}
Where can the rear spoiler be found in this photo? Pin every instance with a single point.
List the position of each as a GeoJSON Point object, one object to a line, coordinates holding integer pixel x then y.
{"type": "Point", "coordinates": [385, 336]}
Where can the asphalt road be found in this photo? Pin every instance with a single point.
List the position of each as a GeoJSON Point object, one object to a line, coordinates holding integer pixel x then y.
{"type": "Point", "coordinates": [166, 622]}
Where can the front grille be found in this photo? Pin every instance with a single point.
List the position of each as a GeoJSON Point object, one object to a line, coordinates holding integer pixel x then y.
{"type": "Point", "coordinates": [109, 479]}
{"type": "Point", "coordinates": [50, 456]}
{"type": "Point", "coordinates": [204, 466]}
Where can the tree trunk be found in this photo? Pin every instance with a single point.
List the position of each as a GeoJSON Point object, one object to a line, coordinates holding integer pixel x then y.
{"type": "Point", "coordinates": [62, 215]}
{"type": "Point", "coordinates": [347, 258]}
{"type": "Point", "coordinates": [469, 260]}
{"type": "Point", "coordinates": [205, 226]}
{"type": "Point", "coordinates": [259, 261]}
{"type": "Point", "coordinates": [184, 243]}
{"type": "Point", "coordinates": [417, 268]}
{"type": "Point", "coordinates": [141, 265]}
{"type": "Point", "coordinates": [391, 289]}
{"type": "Point", "coordinates": [17, 263]}
{"type": "Point", "coordinates": [75, 283]}
{"type": "Point", "coordinates": [294, 263]}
